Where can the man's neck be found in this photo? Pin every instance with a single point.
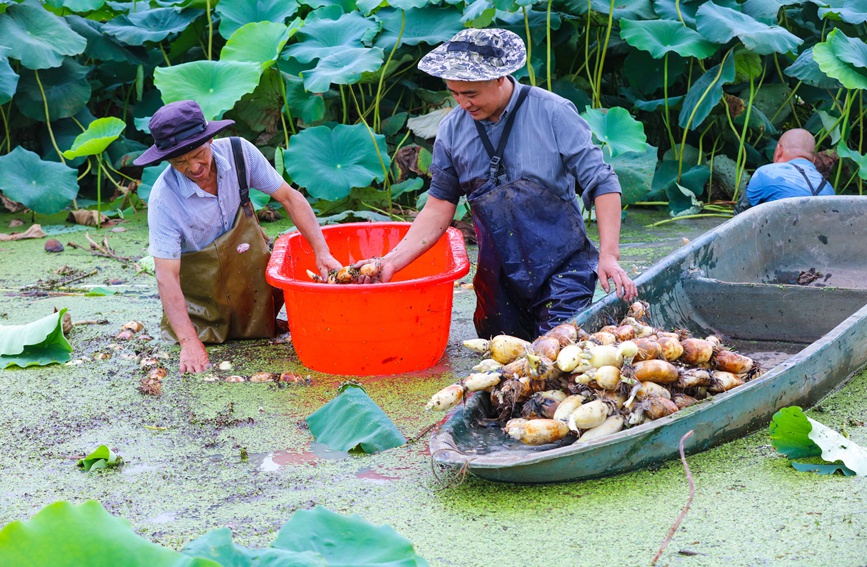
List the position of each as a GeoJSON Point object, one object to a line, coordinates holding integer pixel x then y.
{"type": "Point", "coordinates": [505, 91]}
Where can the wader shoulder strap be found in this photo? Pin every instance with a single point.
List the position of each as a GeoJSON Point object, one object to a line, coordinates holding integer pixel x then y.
{"type": "Point", "coordinates": [241, 169]}
{"type": "Point", "coordinates": [815, 191]}
{"type": "Point", "coordinates": [497, 156]}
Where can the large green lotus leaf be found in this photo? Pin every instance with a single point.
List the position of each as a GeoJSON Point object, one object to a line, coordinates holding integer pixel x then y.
{"type": "Point", "coordinates": [676, 10]}
{"type": "Point", "coordinates": [860, 160]}
{"type": "Point", "coordinates": [149, 176]}
{"type": "Point", "coordinates": [43, 186]}
{"type": "Point", "coordinates": [850, 11]}
{"type": "Point", "coordinates": [100, 45]}
{"type": "Point", "coordinates": [797, 436]}
{"type": "Point", "coordinates": [36, 37]}
{"type": "Point", "coordinates": [478, 14]}
{"type": "Point", "coordinates": [399, 62]}
{"type": "Point", "coordinates": [635, 172]}
{"type": "Point", "coordinates": [236, 13]}
{"type": "Point", "coordinates": [705, 93]}
{"type": "Point", "coordinates": [34, 344]}
{"type": "Point", "coordinates": [346, 540]}
{"type": "Point", "coordinates": [616, 129]}
{"type": "Point", "coordinates": [259, 42]}
{"type": "Point", "coordinates": [215, 85]}
{"type": "Point", "coordinates": [633, 9]}
{"type": "Point", "coordinates": [850, 76]}
{"type": "Point", "coordinates": [766, 11]}
{"type": "Point", "coordinates": [217, 546]}
{"type": "Point", "coordinates": [665, 180]}
{"type": "Point", "coordinates": [68, 535]}
{"type": "Point", "coordinates": [806, 69]}
{"type": "Point", "coordinates": [720, 25]}
{"type": "Point", "coordinates": [8, 77]}
{"type": "Point", "coordinates": [659, 37]}
{"type": "Point", "coordinates": [329, 163]}
{"type": "Point", "coordinates": [150, 25]}
{"type": "Point", "coordinates": [308, 106]}
{"type": "Point", "coordinates": [849, 50]}
{"type": "Point", "coordinates": [93, 141]}
{"type": "Point", "coordinates": [67, 91]}
{"type": "Point", "coordinates": [324, 37]}
{"type": "Point", "coordinates": [342, 68]}
{"type": "Point", "coordinates": [352, 420]}
{"type": "Point", "coordinates": [646, 74]}
{"type": "Point", "coordinates": [432, 25]}
{"type": "Point", "coordinates": [79, 6]}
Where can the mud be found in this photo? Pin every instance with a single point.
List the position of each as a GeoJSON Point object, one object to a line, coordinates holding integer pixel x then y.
{"type": "Point", "coordinates": [192, 466]}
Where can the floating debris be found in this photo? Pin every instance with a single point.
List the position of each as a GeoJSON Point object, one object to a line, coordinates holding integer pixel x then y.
{"type": "Point", "coordinates": [262, 377]}
{"type": "Point", "coordinates": [225, 365]}
{"type": "Point", "coordinates": [53, 245]}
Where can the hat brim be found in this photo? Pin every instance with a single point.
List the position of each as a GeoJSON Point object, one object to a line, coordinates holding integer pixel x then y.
{"type": "Point", "coordinates": [459, 66]}
{"type": "Point", "coordinates": [154, 155]}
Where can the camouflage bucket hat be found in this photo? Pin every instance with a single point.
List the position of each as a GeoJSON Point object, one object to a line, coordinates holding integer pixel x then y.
{"type": "Point", "coordinates": [476, 55]}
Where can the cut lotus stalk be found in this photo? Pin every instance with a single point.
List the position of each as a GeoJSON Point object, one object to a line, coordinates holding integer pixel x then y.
{"type": "Point", "coordinates": [565, 333]}
{"type": "Point", "coordinates": [611, 425]}
{"type": "Point", "coordinates": [603, 355]}
{"type": "Point", "coordinates": [446, 398]}
{"type": "Point", "coordinates": [516, 369]}
{"type": "Point", "coordinates": [567, 406]}
{"type": "Point", "coordinates": [725, 381]}
{"type": "Point", "coordinates": [603, 338]}
{"type": "Point", "coordinates": [487, 365]}
{"type": "Point", "coordinates": [659, 371]}
{"type": "Point", "coordinates": [589, 415]}
{"type": "Point", "coordinates": [537, 431]}
{"type": "Point", "coordinates": [480, 346]}
{"type": "Point", "coordinates": [694, 377]}
{"type": "Point", "coordinates": [696, 351]}
{"type": "Point", "coordinates": [481, 381]}
{"type": "Point", "coordinates": [569, 358]}
{"type": "Point", "coordinates": [540, 367]}
{"type": "Point", "coordinates": [733, 362]}
{"type": "Point", "coordinates": [549, 347]}
{"type": "Point", "coordinates": [656, 407]}
{"type": "Point", "coordinates": [649, 389]}
{"type": "Point", "coordinates": [314, 276]}
{"type": "Point", "coordinates": [506, 348]}
{"type": "Point", "coordinates": [671, 348]}
{"type": "Point", "coordinates": [608, 377]}
{"type": "Point", "coordinates": [648, 349]}
{"type": "Point", "coordinates": [371, 269]}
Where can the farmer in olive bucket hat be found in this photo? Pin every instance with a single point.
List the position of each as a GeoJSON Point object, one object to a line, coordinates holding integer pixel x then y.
{"type": "Point", "coordinates": [209, 252]}
{"type": "Point", "coordinates": [518, 154]}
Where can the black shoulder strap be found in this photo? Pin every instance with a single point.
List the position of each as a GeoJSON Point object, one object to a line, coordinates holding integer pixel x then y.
{"type": "Point", "coordinates": [241, 170]}
{"type": "Point", "coordinates": [497, 156]}
{"type": "Point", "coordinates": [815, 191]}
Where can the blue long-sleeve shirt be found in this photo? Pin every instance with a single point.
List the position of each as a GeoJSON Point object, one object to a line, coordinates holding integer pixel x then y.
{"type": "Point", "coordinates": [781, 180]}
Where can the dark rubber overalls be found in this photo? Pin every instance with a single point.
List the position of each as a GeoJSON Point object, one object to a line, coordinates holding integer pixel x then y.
{"type": "Point", "coordinates": [224, 283]}
{"type": "Point", "coordinates": [536, 266]}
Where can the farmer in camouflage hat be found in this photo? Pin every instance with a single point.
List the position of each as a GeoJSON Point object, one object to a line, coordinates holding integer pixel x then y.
{"type": "Point", "coordinates": [518, 154]}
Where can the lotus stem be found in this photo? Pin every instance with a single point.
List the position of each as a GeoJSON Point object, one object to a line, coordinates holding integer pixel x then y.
{"type": "Point", "coordinates": [844, 134]}
{"type": "Point", "coordinates": [601, 62]}
{"type": "Point", "coordinates": [665, 117]}
{"type": "Point", "coordinates": [587, 47]}
{"type": "Point", "coordinates": [345, 108]}
{"type": "Point", "coordinates": [739, 171]}
{"type": "Point", "coordinates": [6, 128]}
{"type": "Point", "coordinates": [165, 57]}
{"type": "Point", "coordinates": [98, 191]}
{"type": "Point", "coordinates": [85, 172]}
{"type": "Point", "coordinates": [376, 121]}
{"type": "Point", "coordinates": [285, 108]}
{"type": "Point", "coordinates": [210, 29]}
{"type": "Point", "coordinates": [677, 9]}
{"type": "Point", "coordinates": [372, 135]}
{"type": "Point", "coordinates": [698, 216]}
{"type": "Point", "coordinates": [107, 164]}
{"type": "Point", "coordinates": [530, 71]}
{"type": "Point", "coordinates": [48, 118]}
{"type": "Point", "coordinates": [548, 38]}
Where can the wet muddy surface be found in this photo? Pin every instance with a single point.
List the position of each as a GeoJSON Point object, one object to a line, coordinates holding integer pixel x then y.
{"type": "Point", "coordinates": [207, 454]}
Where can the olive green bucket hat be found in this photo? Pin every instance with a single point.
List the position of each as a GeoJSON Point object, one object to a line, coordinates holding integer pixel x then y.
{"type": "Point", "coordinates": [476, 55]}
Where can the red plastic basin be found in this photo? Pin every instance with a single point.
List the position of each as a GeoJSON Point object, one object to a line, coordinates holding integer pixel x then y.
{"type": "Point", "coordinates": [390, 328]}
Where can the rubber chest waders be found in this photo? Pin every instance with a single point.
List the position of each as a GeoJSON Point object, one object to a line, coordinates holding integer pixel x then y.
{"type": "Point", "coordinates": [224, 283]}
{"type": "Point", "coordinates": [536, 267]}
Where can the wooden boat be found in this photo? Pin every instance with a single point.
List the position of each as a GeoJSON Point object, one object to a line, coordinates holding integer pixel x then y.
{"type": "Point", "coordinates": [739, 281]}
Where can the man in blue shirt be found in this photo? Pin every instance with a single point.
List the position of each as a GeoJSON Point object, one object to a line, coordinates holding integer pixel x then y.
{"type": "Point", "coordinates": [792, 174]}
{"type": "Point", "coordinates": [518, 154]}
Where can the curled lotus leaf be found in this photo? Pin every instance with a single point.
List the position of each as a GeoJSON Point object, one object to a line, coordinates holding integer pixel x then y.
{"type": "Point", "coordinates": [852, 12]}
{"type": "Point", "coordinates": [806, 69]}
{"type": "Point", "coordinates": [431, 25]}
{"type": "Point", "coordinates": [259, 42]}
{"type": "Point", "coordinates": [843, 59]}
{"type": "Point", "coordinates": [720, 24]}
{"type": "Point", "coordinates": [342, 68]}
{"type": "Point", "coordinates": [100, 45]}
{"type": "Point", "coordinates": [93, 141]}
{"type": "Point", "coordinates": [8, 77]}
{"type": "Point", "coordinates": [616, 129]}
{"type": "Point", "coordinates": [66, 89]}
{"type": "Point", "coordinates": [234, 14]}
{"type": "Point", "coordinates": [329, 163]}
{"type": "Point", "coordinates": [157, 24]}
{"type": "Point", "coordinates": [46, 187]}
{"type": "Point", "coordinates": [215, 85]}
{"type": "Point", "coordinates": [659, 37]}
{"type": "Point", "coordinates": [36, 37]}
{"type": "Point", "coordinates": [323, 37]}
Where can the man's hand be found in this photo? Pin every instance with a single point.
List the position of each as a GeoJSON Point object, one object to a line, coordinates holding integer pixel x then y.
{"type": "Point", "coordinates": [386, 270]}
{"type": "Point", "coordinates": [325, 262]}
{"type": "Point", "coordinates": [609, 268]}
{"type": "Point", "coordinates": [194, 357]}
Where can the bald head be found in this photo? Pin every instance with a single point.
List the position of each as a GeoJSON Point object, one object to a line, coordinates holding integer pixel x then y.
{"type": "Point", "coordinates": [797, 143]}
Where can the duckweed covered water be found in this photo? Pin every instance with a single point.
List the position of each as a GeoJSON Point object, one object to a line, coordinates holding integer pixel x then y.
{"type": "Point", "coordinates": [209, 454]}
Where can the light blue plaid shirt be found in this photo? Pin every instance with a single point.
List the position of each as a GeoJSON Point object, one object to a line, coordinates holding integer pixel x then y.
{"type": "Point", "coordinates": [184, 218]}
{"type": "Point", "coordinates": [549, 144]}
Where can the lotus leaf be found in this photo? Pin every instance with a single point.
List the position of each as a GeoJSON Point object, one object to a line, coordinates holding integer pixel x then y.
{"type": "Point", "coordinates": [797, 436]}
{"type": "Point", "coordinates": [478, 14]}
{"type": "Point", "coordinates": [217, 546]}
{"type": "Point", "coordinates": [653, 105]}
{"type": "Point", "coordinates": [236, 13]}
{"type": "Point", "coordinates": [352, 420]}
{"type": "Point", "coordinates": [665, 185]}
{"type": "Point", "coordinates": [66, 88]}
{"type": "Point", "coordinates": [93, 141]}
{"type": "Point", "coordinates": [705, 93]}
{"type": "Point", "coordinates": [426, 126]}
{"type": "Point", "coordinates": [150, 25]}
{"type": "Point", "coordinates": [215, 85]}
{"type": "Point", "coordinates": [851, 11]}
{"type": "Point", "coordinates": [860, 160]}
{"type": "Point", "coordinates": [309, 107]}
{"type": "Point", "coordinates": [329, 163]}
{"type": "Point", "coordinates": [635, 171]}
{"type": "Point", "coordinates": [407, 186]}
{"type": "Point", "coordinates": [34, 344]}
{"type": "Point", "coordinates": [849, 50]}
{"type": "Point", "coordinates": [79, 6]}
{"type": "Point", "coordinates": [659, 37]}
{"type": "Point", "coordinates": [68, 535]}
{"type": "Point", "coordinates": [827, 56]}
{"type": "Point", "coordinates": [806, 69]}
{"type": "Point", "coordinates": [259, 42]}
{"type": "Point", "coordinates": [101, 458]}
{"type": "Point", "coordinates": [432, 25]}
{"type": "Point", "coordinates": [646, 74]}
{"type": "Point", "coordinates": [36, 37]}
{"type": "Point", "coordinates": [323, 37]}
{"type": "Point", "coordinates": [43, 186]}
{"type": "Point", "coordinates": [677, 11]}
{"type": "Point", "coordinates": [346, 540]}
{"type": "Point", "coordinates": [720, 25]}
{"type": "Point", "coordinates": [8, 77]}
{"type": "Point", "coordinates": [100, 45]}
{"type": "Point", "coordinates": [616, 129]}
{"type": "Point", "coordinates": [342, 68]}
{"type": "Point", "coordinates": [633, 10]}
